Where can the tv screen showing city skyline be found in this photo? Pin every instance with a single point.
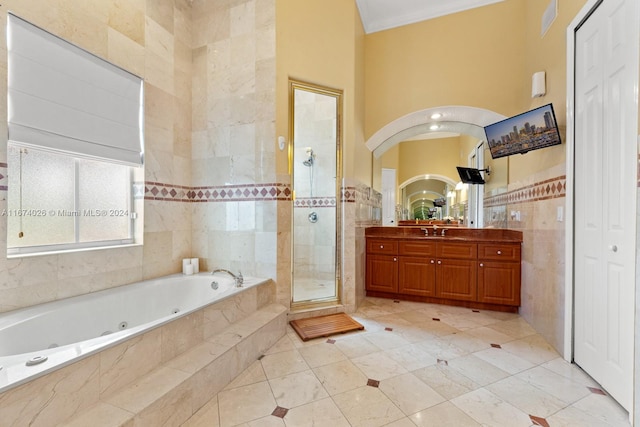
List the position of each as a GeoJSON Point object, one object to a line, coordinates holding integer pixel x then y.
{"type": "Point", "coordinates": [520, 134]}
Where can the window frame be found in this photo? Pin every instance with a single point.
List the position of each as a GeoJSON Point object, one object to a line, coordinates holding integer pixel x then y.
{"type": "Point", "coordinates": [76, 246]}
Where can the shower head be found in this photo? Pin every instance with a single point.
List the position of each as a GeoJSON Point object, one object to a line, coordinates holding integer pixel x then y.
{"type": "Point", "coordinates": [310, 159]}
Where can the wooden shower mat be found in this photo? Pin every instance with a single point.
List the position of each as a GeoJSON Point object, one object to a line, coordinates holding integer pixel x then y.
{"type": "Point", "coordinates": [323, 326]}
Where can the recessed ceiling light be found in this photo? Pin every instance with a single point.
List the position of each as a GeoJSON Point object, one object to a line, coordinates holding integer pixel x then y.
{"type": "Point", "coordinates": [434, 127]}
{"type": "Point", "coordinates": [436, 116]}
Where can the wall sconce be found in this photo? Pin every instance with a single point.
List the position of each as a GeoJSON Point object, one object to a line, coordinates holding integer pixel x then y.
{"type": "Point", "coordinates": [538, 84]}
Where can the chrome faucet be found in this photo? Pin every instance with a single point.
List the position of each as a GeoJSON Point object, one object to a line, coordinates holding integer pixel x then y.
{"type": "Point", "coordinates": [443, 231]}
{"type": "Point", "coordinates": [435, 230]}
{"type": "Point", "coordinates": [237, 279]}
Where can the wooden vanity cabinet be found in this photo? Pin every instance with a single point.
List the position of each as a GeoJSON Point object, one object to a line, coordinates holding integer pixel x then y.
{"type": "Point", "coordinates": [499, 274]}
{"type": "Point", "coordinates": [473, 274]}
{"type": "Point", "coordinates": [417, 268]}
{"type": "Point", "coordinates": [382, 265]}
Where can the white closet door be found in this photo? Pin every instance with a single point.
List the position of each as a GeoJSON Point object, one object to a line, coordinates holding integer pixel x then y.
{"type": "Point", "coordinates": [605, 188]}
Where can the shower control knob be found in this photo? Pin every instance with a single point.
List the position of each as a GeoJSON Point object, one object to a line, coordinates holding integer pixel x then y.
{"type": "Point", "coordinates": [313, 217]}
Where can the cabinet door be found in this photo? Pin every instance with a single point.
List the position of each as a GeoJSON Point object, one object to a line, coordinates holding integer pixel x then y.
{"type": "Point", "coordinates": [416, 276]}
{"type": "Point", "coordinates": [382, 273]}
{"type": "Point", "coordinates": [456, 279]}
{"type": "Point", "coordinates": [499, 282]}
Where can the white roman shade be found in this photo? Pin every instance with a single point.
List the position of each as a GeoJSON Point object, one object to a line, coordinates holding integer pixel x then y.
{"type": "Point", "coordinates": [64, 99]}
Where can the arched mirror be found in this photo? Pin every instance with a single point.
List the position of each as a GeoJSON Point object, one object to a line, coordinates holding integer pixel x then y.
{"type": "Point", "coordinates": [315, 167]}
{"type": "Point", "coordinates": [431, 143]}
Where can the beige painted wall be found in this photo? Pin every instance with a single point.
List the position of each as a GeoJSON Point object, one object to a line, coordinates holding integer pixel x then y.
{"type": "Point", "coordinates": [473, 58]}
{"type": "Point", "coordinates": [322, 42]}
{"type": "Point", "coordinates": [431, 156]}
{"type": "Point", "coordinates": [483, 58]}
{"type": "Point", "coordinates": [545, 53]}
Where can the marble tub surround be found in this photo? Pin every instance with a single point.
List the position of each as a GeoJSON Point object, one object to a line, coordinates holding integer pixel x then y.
{"type": "Point", "coordinates": [408, 369]}
{"type": "Point", "coordinates": [152, 39]}
{"type": "Point", "coordinates": [160, 377]}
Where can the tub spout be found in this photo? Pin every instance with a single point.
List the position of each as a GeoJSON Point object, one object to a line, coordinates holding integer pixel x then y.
{"type": "Point", "coordinates": [238, 279]}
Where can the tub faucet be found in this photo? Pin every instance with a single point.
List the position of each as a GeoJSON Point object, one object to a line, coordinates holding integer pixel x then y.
{"type": "Point", "coordinates": [238, 279]}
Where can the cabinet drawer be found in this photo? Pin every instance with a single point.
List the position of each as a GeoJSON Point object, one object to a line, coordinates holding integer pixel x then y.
{"type": "Point", "coordinates": [499, 251]}
{"type": "Point", "coordinates": [457, 250]}
{"type": "Point", "coordinates": [417, 248]}
{"type": "Point", "coordinates": [382, 247]}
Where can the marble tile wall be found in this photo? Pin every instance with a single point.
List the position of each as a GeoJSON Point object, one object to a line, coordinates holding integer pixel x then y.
{"type": "Point", "coordinates": [362, 208]}
{"type": "Point", "coordinates": [536, 200]}
{"type": "Point", "coordinates": [151, 38]}
{"type": "Point", "coordinates": [233, 134]}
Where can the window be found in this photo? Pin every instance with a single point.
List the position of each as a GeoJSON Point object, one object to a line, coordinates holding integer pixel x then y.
{"type": "Point", "coordinates": [75, 146]}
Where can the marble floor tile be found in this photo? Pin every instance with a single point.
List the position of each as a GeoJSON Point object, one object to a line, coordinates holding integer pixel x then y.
{"type": "Point", "coordinates": [297, 389]}
{"type": "Point", "coordinates": [466, 342]}
{"type": "Point", "coordinates": [516, 328]}
{"type": "Point", "coordinates": [477, 369]}
{"type": "Point", "coordinates": [283, 363]}
{"type": "Point", "coordinates": [386, 339]}
{"type": "Point", "coordinates": [556, 385]}
{"type": "Point", "coordinates": [284, 344]}
{"type": "Point", "coordinates": [445, 414]}
{"type": "Point", "coordinates": [489, 335]}
{"type": "Point", "coordinates": [504, 360]}
{"type": "Point", "coordinates": [532, 348]}
{"type": "Point", "coordinates": [207, 416]}
{"type": "Point", "coordinates": [322, 354]}
{"type": "Point", "coordinates": [411, 357]}
{"type": "Point", "coordinates": [413, 333]}
{"type": "Point", "coordinates": [427, 372]}
{"type": "Point", "coordinates": [526, 397]}
{"type": "Point", "coordinates": [403, 422]}
{"type": "Point", "coordinates": [488, 409]}
{"type": "Point", "coordinates": [409, 393]}
{"type": "Point", "coordinates": [378, 366]}
{"type": "Point", "coordinates": [442, 349]}
{"type": "Point", "coordinates": [570, 371]}
{"type": "Point", "coordinates": [253, 374]}
{"type": "Point", "coordinates": [244, 404]}
{"type": "Point", "coordinates": [446, 381]}
{"type": "Point", "coordinates": [322, 413]}
{"type": "Point", "coordinates": [367, 406]}
{"type": "Point", "coordinates": [603, 408]}
{"type": "Point", "coordinates": [355, 346]}
{"type": "Point", "coordinates": [339, 377]}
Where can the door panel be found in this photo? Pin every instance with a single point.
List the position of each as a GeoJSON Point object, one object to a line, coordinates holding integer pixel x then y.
{"type": "Point", "coordinates": [606, 72]}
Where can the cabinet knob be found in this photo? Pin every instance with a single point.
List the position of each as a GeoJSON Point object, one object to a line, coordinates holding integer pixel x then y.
{"type": "Point", "coordinates": [395, 259]}
{"type": "Point", "coordinates": [439, 262]}
{"type": "Point", "coordinates": [381, 246]}
{"type": "Point", "coordinates": [499, 252]}
{"type": "Point", "coordinates": [432, 262]}
{"type": "Point", "coordinates": [481, 265]}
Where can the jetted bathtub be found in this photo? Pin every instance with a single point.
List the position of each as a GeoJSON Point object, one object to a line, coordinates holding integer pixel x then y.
{"type": "Point", "coordinates": [40, 339]}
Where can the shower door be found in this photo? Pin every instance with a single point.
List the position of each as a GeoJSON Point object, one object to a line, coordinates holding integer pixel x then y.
{"type": "Point", "coordinates": [314, 164]}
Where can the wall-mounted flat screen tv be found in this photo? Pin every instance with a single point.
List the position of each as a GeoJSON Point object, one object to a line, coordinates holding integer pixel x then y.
{"type": "Point", "coordinates": [525, 132]}
{"type": "Point", "coordinates": [470, 175]}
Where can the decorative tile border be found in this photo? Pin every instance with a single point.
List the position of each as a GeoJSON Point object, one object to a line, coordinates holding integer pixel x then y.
{"type": "Point", "coordinates": [315, 202]}
{"type": "Point", "coordinates": [224, 193]}
{"type": "Point", "coordinates": [549, 189]}
{"type": "Point", "coordinates": [4, 180]}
